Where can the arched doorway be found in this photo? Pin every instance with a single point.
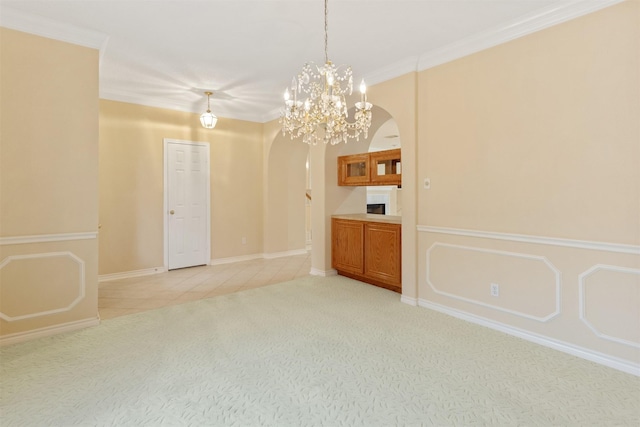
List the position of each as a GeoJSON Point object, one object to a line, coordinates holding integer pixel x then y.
{"type": "Point", "coordinates": [329, 198]}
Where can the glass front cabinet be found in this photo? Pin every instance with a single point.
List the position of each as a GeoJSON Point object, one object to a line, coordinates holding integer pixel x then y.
{"type": "Point", "coordinates": [353, 169]}
{"type": "Point", "coordinates": [377, 168]}
{"type": "Point", "coordinates": [385, 167]}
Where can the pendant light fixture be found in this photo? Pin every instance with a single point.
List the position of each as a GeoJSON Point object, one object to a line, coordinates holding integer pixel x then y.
{"type": "Point", "coordinates": [316, 100]}
{"type": "Point", "coordinates": [208, 119]}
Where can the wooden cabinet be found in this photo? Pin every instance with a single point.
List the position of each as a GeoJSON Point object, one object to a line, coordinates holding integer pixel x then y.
{"type": "Point", "coordinates": [368, 251]}
{"type": "Point", "coordinates": [347, 247]}
{"type": "Point", "coordinates": [353, 170]}
{"type": "Point", "coordinates": [377, 168]}
{"type": "Point", "coordinates": [382, 260]}
{"type": "Point", "coordinates": [385, 167]}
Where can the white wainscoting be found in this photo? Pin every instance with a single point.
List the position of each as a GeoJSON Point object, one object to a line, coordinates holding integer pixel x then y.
{"type": "Point", "coordinates": [583, 294]}
{"type": "Point", "coordinates": [584, 353]}
{"type": "Point", "coordinates": [579, 286]}
{"type": "Point", "coordinates": [46, 238]}
{"type": "Point", "coordinates": [81, 283]}
{"type": "Point", "coordinates": [541, 240]}
{"type": "Point", "coordinates": [534, 258]}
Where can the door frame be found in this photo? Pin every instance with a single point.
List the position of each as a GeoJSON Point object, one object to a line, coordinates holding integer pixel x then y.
{"type": "Point", "coordinates": [165, 207]}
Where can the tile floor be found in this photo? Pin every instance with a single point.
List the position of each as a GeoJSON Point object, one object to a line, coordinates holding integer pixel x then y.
{"type": "Point", "coordinates": [136, 294]}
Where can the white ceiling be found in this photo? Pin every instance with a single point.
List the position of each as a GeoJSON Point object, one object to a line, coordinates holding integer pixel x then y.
{"type": "Point", "coordinates": [167, 53]}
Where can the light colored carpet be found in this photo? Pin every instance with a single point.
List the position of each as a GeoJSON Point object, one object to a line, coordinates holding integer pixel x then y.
{"type": "Point", "coordinates": [314, 351]}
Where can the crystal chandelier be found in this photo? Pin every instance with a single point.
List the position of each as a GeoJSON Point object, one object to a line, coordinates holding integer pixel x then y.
{"type": "Point", "coordinates": [316, 100]}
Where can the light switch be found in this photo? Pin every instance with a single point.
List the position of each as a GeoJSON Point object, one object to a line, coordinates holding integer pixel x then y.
{"type": "Point", "coordinates": [427, 183]}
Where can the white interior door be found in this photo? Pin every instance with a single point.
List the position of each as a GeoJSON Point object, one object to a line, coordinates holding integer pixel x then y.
{"type": "Point", "coordinates": [187, 204]}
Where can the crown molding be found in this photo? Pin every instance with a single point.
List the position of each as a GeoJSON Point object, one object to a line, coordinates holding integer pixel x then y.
{"type": "Point", "coordinates": [522, 26]}
{"type": "Point", "coordinates": [511, 30]}
{"type": "Point", "coordinates": [155, 102]}
{"type": "Point", "coordinates": [28, 23]}
{"type": "Point", "coordinates": [272, 115]}
{"type": "Point", "coordinates": [391, 71]}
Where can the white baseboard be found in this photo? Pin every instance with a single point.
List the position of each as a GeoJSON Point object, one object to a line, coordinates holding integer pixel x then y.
{"type": "Point", "coordinates": [250, 257]}
{"type": "Point", "coordinates": [274, 255]}
{"type": "Point", "coordinates": [323, 273]}
{"type": "Point", "coordinates": [134, 273]}
{"type": "Point", "coordinates": [584, 353]}
{"type": "Point", "coordinates": [48, 331]}
{"type": "Point", "coordinates": [409, 300]}
{"type": "Point", "coordinates": [233, 259]}
{"type": "Point", "coordinates": [230, 260]}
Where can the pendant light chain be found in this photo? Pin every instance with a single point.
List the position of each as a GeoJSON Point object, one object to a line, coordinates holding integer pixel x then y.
{"type": "Point", "coordinates": [326, 32]}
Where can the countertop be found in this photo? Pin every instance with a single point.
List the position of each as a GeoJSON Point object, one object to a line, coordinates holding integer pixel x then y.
{"type": "Point", "coordinates": [388, 219]}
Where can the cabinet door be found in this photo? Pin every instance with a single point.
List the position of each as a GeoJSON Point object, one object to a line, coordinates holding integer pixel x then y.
{"type": "Point", "coordinates": [347, 246]}
{"type": "Point", "coordinates": [353, 170]}
{"type": "Point", "coordinates": [386, 167]}
{"type": "Point", "coordinates": [382, 258]}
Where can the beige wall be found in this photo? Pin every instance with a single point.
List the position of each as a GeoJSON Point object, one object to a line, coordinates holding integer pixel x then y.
{"type": "Point", "coordinates": [536, 137]}
{"type": "Point", "coordinates": [131, 184]}
{"type": "Point", "coordinates": [48, 184]}
{"type": "Point", "coordinates": [539, 137]}
{"type": "Point", "coordinates": [285, 180]}
{"type": "Point", "coordinates": [399, 98]}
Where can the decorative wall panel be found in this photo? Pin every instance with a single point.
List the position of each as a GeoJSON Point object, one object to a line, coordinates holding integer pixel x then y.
{"type": "Point", "coordinates": [528, 285]}
{"type": "Point", "coordinates": [609, 301]}
{"type": "Point", "coordinates": [27, 282]}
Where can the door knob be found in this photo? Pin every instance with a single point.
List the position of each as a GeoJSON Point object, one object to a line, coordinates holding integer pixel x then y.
{"type": "Point", "coordinates": [172, 212]}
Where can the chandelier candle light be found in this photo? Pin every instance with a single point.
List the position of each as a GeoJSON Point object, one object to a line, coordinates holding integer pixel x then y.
{"type": "Point", "coordinates": [325, 106]}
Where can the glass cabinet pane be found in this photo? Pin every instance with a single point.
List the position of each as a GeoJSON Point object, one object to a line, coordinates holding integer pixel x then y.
{"type": "Point", "coordinates": [357, 169]}
{"type": "Point", "coordinates": [388, 167]}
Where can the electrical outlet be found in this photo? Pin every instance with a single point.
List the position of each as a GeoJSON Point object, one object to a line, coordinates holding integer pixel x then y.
{"type": "Point", "coordinates": [495, 290]}
{"type": "Point", "coordinates": [244, 240]}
